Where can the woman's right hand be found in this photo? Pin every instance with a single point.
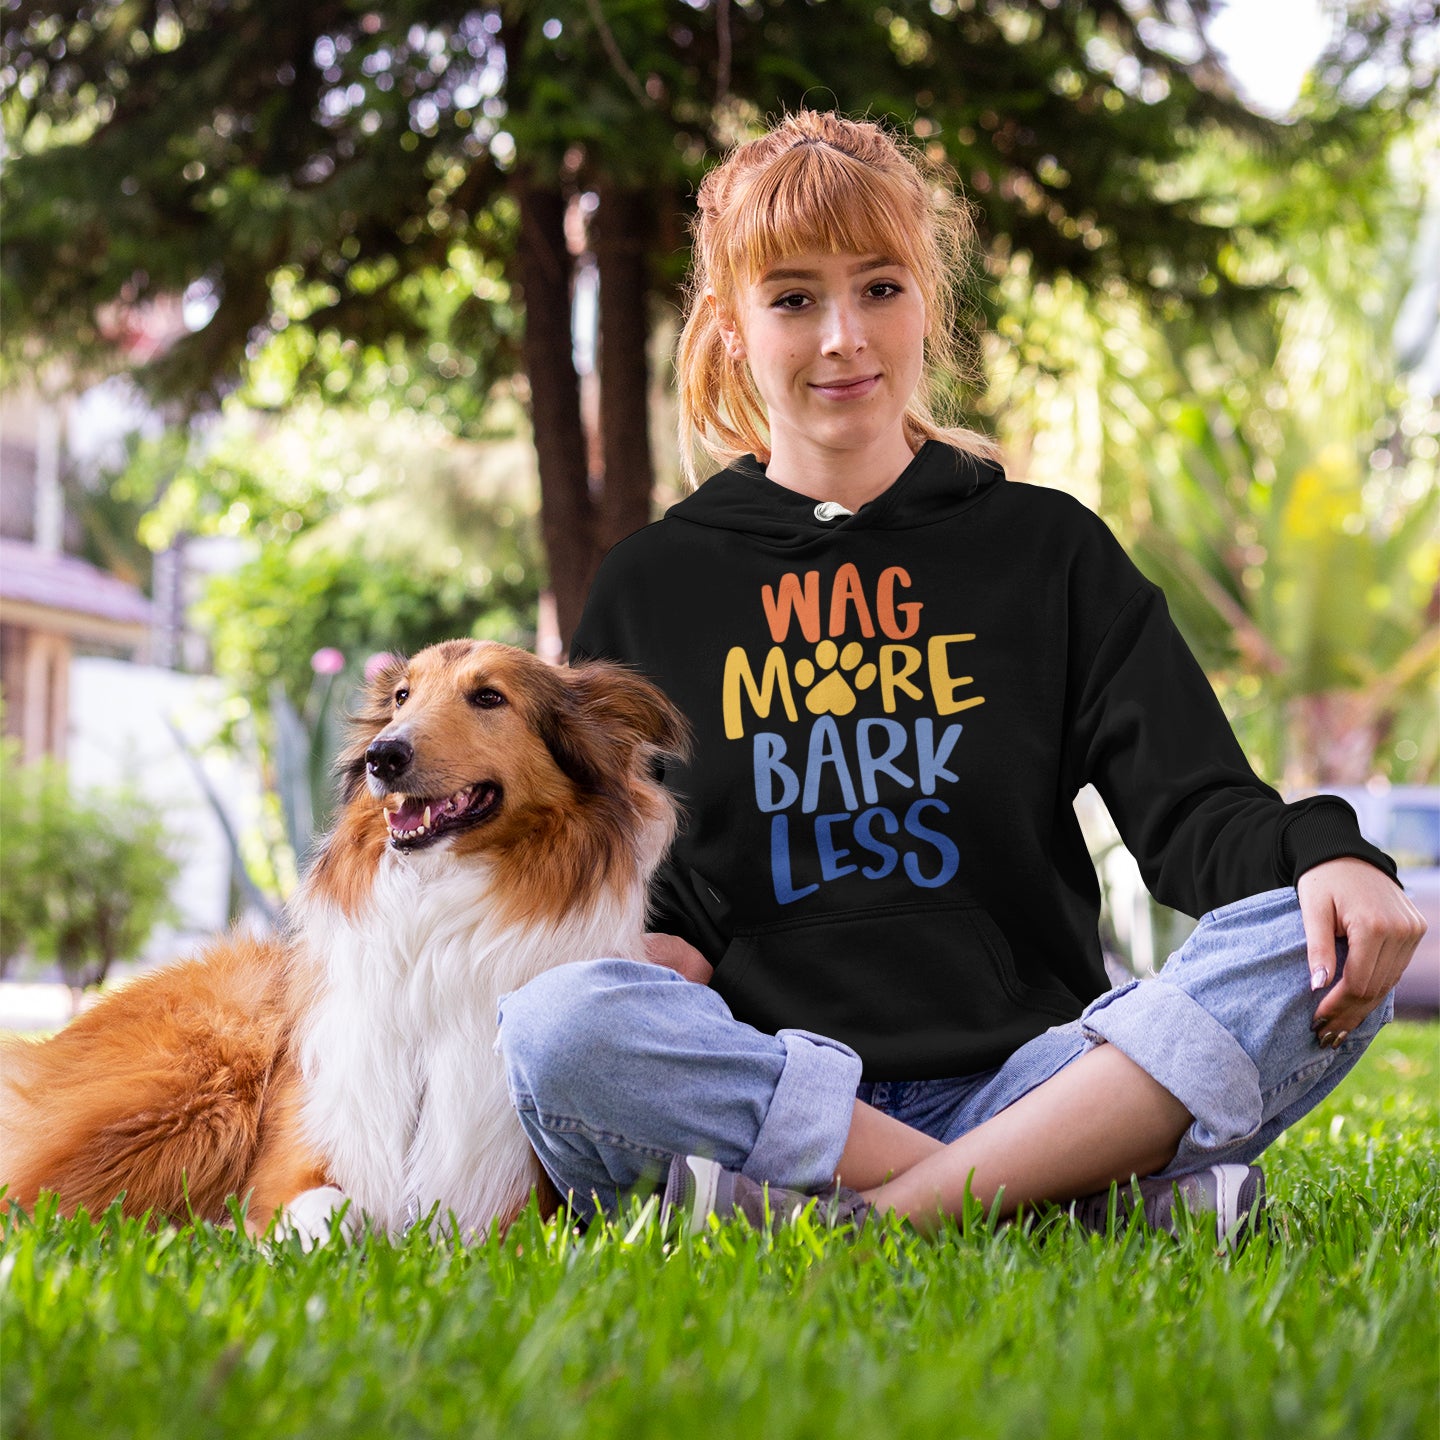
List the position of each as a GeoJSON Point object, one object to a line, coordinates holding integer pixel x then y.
{"type": "Point", "coordinates": [680, 956]}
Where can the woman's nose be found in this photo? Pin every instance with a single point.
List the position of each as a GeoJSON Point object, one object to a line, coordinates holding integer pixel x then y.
{"type": "Point", "coordinates": [844, 332]}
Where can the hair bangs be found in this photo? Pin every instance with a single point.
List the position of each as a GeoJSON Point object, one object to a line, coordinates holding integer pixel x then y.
{"type": "Point", "coordinates": [815, 198]}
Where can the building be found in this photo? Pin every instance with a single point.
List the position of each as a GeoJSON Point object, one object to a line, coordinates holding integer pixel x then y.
{"type": "Point", "coordinates": [54, 606]}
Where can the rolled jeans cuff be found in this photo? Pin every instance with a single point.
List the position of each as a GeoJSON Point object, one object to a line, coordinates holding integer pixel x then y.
{"type": "Point", "coordinates": [803, 1134]}
{"type": "Point", "coordinates": [1179, 1044]}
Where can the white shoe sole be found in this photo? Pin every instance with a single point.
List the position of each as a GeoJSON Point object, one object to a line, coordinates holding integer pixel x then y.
{"type": "Point", "coordinates": [1230, 1214]}
{"type": "Point", "coordinates": [707, 1175]}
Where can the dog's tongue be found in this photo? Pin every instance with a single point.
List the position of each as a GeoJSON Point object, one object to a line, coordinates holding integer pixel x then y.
{"type": "Point", "coordinates": [407, 815]}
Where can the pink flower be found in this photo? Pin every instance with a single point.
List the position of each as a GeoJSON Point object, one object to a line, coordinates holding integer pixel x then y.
{"type": "Point", "coordinates": [376, 665]}
{"type": "Point", "coordinates": [328, 661]}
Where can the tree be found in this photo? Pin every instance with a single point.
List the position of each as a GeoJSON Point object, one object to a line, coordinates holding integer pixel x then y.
{"type": "Point", "coordinates": [390, 185]}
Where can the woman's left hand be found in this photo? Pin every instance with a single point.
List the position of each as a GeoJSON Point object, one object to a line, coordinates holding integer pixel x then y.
{"type": "Point", "coordinates": [678, 955]}
{"type": "Point", "coordinates": [1351, 898]}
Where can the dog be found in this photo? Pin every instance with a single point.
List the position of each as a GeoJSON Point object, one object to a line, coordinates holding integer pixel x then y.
{"type": "Point", "coordinates": [500, 816]}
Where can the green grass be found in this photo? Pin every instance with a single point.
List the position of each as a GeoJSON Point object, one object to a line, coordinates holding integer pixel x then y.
{"type": "Point", "coordinates": [1327, 1329]}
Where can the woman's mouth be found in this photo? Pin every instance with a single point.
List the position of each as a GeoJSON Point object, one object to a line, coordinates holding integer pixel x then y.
{"type": "Point", "coordinates": [854, 389]}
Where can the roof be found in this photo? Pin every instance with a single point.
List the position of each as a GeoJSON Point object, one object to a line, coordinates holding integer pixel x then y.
{"type": "Point", "coordinates": [64, 582]}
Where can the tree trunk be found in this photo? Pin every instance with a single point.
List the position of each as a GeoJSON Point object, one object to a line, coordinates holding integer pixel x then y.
{"type": "Point", "coordinates": [567, 514]}
{"type": "Point", "coordinates": [620, 236]}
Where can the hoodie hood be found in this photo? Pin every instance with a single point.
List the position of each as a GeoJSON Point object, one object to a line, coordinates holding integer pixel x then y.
{"type": "Point", "coordinates": [937, 483]}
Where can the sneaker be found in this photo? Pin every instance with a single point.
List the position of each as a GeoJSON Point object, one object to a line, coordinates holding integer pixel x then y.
{"type": "Point", "coordinates": [1233, 1194]}
{"type": "Point", "coordinates": [698, 1188]}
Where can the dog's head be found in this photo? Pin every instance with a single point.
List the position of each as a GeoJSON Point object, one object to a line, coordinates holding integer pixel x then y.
{"type": "Point", "coordinates": [475, 746]}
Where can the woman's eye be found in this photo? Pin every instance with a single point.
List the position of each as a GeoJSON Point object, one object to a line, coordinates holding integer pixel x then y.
{"type": "Point", "coordinates": [487, 699]}
{"type": "Point", "coordinates": [884, 289]}
{"type": "Point", "coordinates": [401, 696]}
{"type": "Point", "coordinates": [791, 302]}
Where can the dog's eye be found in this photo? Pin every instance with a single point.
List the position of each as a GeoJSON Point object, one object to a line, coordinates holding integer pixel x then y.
{"type": "Point", "coordinates": [487, 699]}
{"type": "Point", "coordinates": [401, 696]}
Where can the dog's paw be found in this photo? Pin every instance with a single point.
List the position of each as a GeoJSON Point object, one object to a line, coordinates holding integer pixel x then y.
{"type": "Point", "coordinates": [317, 1216]}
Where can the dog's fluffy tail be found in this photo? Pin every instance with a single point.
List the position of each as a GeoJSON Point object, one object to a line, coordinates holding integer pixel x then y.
{"type": "Point", "coordinates": [158, 1092]}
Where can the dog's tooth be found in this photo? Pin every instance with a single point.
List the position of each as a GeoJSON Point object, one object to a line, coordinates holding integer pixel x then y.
{"type": "Point", "coordinates": [424, 824]}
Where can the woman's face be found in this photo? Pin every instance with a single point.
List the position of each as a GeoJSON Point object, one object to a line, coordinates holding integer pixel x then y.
{"type": "Point", "coordinates": [835, 344]}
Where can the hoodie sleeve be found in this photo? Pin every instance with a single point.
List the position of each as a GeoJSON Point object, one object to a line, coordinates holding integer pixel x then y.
{"type": "Point", "coordinates": [608, 630]}
{"type": "Point", "coordinates": [599, 635]}
{"type": "Point", "coordinates": [1150, 734]}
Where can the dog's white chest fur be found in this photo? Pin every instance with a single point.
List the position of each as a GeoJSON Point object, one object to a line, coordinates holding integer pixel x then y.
{"type": "Point", "coordinates": [405, 1095]}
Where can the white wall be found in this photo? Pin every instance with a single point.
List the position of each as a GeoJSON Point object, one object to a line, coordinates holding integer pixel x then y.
{"type": "Point", "coordinates": [118, 735]}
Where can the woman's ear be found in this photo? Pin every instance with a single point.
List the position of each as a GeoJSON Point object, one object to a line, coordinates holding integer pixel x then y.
{"type": "Point", "coordinates": [729, 330]}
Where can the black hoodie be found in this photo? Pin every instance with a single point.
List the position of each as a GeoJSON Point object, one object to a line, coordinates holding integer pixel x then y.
{"type": "Point", "coordinates": [893, 712]}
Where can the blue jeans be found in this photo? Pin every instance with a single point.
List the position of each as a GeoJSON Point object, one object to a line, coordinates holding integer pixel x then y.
{"type": "Point", "coordinates": [615, 1066]}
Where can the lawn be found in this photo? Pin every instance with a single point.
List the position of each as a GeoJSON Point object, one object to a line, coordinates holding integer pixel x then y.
{"type": "Point", "coordinates": [1326, 1328]}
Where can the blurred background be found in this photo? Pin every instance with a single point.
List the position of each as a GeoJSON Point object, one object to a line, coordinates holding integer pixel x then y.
{"type": "Point", "coordinates": [337, 328]}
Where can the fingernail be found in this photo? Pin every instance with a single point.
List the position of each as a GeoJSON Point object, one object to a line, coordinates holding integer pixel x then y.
{"type": "Point", "coordinates": [1341, 1038]}
{"type": "Point", "coordinates": [1317, 978]}
{"type": "Point", "coordinates": [1327, 1038]}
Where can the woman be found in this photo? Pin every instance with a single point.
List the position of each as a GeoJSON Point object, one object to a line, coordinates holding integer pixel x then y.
{"type": "Point", "coordinates": [900, 670]}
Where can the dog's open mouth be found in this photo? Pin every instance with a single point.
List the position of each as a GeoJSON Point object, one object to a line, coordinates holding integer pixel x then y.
{"type": "Point", "coordinates": [419, 821]}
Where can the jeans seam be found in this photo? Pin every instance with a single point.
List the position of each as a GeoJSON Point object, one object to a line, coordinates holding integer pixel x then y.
{"type": "Point", "coordinates": [1317, 1067]}
{"type": "Point", "coordinates": [1306, 1075]}
{"type": "Point", "coordinates": [568, 1125]}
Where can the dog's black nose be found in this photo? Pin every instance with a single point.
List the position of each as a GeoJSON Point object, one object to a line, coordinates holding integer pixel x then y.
{"type": "Point", "coordinates": [387, 760]}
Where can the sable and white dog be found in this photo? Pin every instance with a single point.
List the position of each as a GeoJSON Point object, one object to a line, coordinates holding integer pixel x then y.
{"type": "Point", "coordinates": [501, 817]}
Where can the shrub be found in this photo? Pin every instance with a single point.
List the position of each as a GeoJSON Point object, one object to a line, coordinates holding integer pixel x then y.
{"type": "Point", "coordinates": [86, 875]}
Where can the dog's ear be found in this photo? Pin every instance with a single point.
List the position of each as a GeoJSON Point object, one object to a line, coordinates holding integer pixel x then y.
{"type": "Point", "coordinates": [605, 721]}
{"type": "Point", "coordinates": [373, 711]}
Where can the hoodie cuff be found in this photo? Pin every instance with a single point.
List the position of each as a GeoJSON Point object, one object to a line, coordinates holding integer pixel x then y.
{"type": "Point", "coordinates": [1326, 829]}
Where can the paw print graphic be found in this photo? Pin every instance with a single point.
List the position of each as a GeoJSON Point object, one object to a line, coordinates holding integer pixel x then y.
{"type": "Point", "coordinates": [834, 694]}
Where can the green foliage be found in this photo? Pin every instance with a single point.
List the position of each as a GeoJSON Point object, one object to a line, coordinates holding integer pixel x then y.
{"type": "Point", "coordinates": [87, 875]}
{"type": "Point", "coordinates": [266, 619]}
{"type": "Point", "coordinates": [188, 150]}
{"type": "Point", "coordinates": [306, 744]}
{"type": "Point", "coordinates": [457, 336]}
{"type": "Point", "coordinates": [1271, 469]}
{"type": "Point", "coordinates": [368, 531]}
{"type": "Point", "coordinates": [339, 177]}
{"type": "Point", "coordinates": [1328, 1328]}
{"type": "Point", "coordinates": [1305, 591]}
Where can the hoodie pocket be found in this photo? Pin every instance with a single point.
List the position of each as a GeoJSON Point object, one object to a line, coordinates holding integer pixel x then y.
{"type": "Point", "coordinates": [919, 991]}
